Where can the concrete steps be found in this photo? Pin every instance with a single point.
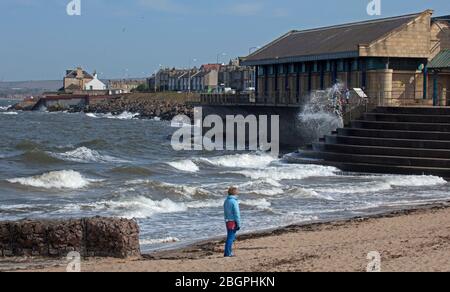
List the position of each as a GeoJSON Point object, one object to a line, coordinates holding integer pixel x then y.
{"type": "Point", "coordinates": [402, 140]}
{"type": "Point", "coordinates": [407, 118]}
{"type": "Point", "coordinates": [379, 150]}
{"type": "Point", "coordinates": [387, 142]}
{"type": "Point", "coordinates": [394, 134]}
{"type": "Point", "coordinates": [423, 127]}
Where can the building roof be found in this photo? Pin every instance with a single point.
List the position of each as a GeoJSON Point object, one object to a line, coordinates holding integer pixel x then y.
{"type": "Point", "coordinates": [442, 18]}
{"type": "Point", "coordinates": [341, 41]}
{"type": "Point", "coordinates": [441, 61]}
{"type": "Point", "coordinates": [73, 74]}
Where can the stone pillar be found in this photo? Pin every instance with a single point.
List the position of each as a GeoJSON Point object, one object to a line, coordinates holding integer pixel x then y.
{"type": "Point", "coordinates": [385, 79]}
{"type": "Point", "coordinates": [444, 97]}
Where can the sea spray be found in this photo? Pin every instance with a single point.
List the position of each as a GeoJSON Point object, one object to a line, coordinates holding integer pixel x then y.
{"type": "Point", "coordinates": [322, 114]}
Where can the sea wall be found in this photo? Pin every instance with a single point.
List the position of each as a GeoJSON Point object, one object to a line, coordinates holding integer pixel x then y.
{"type": "Point", "coordinates": [91, 237]}
{"type": "Point", "coordinates": [146, 105]}
{"type": "Point", "coordinates": [290, 129]}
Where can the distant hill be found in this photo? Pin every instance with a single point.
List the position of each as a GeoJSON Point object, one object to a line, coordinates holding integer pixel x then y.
{"type": "Point", "coordinates": [25, 88]}
{"type": "Point", "coordinates": [45, 84]}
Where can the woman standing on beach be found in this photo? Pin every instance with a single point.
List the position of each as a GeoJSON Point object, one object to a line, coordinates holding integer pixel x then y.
{"type": "Point", "coordinates": [232, 219]}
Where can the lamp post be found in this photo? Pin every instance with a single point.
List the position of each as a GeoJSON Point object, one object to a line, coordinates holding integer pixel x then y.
{"type": "Point", "coordinates": [157, 72]}
{"type": "Point", "coordinates": [190, 73]}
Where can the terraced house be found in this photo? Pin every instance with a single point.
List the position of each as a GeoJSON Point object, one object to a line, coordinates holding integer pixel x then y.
{"type": "Point", "coordinates": [397, 61]}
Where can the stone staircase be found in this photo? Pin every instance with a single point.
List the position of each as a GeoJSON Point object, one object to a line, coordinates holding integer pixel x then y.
{"type": "Point", "coordinates": [398, 140]}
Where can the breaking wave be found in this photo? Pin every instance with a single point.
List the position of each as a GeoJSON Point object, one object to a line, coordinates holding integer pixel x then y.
{"type": "Point", "coordinates": [5, 108]}
{"type": "Point", "coordinates": [64, 179]}
{"type": "Point", "coordinates": [85, 155]}
{"type": "Point", "coordinates": [387, 182]}
{"type": "Point", "coordinates": [141, 207]}
{"type": "Point", "coordinates": [241, 160]}
{"type": "Point", "coordinates": [186, 191]}
{"type": "Point", "coordinates": [185, 165]}
{"type": "Point", "coordinates": [9, 113]}
{"type": "Point", "coordinates": [123, 116]}
{"type": "Point", "coordinates": [290, 172]}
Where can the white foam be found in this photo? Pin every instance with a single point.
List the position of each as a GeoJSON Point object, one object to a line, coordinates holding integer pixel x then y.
{"type": "Point", "coordinates": [141, 207]}
{"type": "Point", "coordinates": [383, 183]}
{"type": "Point", "coordinates": [9, 113]}
{"type": "Point", "coordinates": [185, 165]}
{"type": "Point", "coordinates": [290, 172]}
{"type": "Point", "coordinates": [5, 108]}
{"type": "Point", "coordinates": [307, 193]}
{"type": "Point", "coordinates": [268, 192]}
{"type": "Point", "coordinates": [64, 179]}
{"type": "Point", "coordinates": [259, 203]}
{"type": "Point", "coordinates": [415, 181]}
{"type": "Point", "coordinates": [84, 154]}
{"type": "Point", "coordinates": [91, 115]}
{"type": "Point", "coordinates": [241, 160]}
{"type": "Point", "coordinates": [123, 116]}
{"type": "Point", "coordinates": [186, 191]}
{"type": "Point", "coordinates": [159, 241]}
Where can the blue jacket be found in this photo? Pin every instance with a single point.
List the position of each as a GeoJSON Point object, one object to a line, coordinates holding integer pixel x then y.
{"type": "Point", "coordinates": [232, 212]}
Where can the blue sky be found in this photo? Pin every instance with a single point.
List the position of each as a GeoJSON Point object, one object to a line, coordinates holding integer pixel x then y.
{"type": "Point", "coordinates": [130, 38]}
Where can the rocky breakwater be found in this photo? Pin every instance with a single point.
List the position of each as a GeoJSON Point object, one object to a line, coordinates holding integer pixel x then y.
{"type": "Point", "coordinates": [91, 237]}
{"type": "Point", "coordinates": [148, 106]}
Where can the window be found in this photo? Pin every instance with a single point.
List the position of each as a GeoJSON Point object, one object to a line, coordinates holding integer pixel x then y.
{"type": "Point", "coordinates": [340, 66]}
{"type": "Point", "coordinates": [261, 71]}
{"type": "Point", "coordinates": [355, 65]}
{"type": "Point", "coordinates": [270, 70]}
{"type": "Point", "coordinates": [281, 69]}
{"type": "Point", "coordinates": [303, 68]}
{"type": "Point", "coordinates": [328, 66]}
{"type": "Point", "coordinates": [292, 69]}
{"type": "Point", "coordinates": [315, 67]}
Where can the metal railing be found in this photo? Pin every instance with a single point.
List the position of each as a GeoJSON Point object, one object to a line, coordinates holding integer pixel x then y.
{"type": "Point", "coordinates": [347, 104]}
{"type": "Point", "coordinates": [270, 99]}
{"type": "Point", "coordinates": [408, 98]}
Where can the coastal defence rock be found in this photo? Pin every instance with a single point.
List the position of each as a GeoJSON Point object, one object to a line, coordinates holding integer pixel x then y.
{"type": "Point", "coordinates": [91, 237]}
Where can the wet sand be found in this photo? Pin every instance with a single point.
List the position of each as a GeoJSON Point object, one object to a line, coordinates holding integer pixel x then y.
{"type": "Point", "coordinates": [410, 240]}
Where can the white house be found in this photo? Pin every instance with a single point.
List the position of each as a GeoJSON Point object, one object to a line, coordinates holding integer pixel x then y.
{"type": "Point", "coordinates": [95, 84]}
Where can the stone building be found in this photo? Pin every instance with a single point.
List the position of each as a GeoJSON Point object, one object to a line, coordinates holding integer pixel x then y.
{"type": "Point", "coordinates": [125, 85]}
{"type": "Point", "coordinates": [388, 58]}
{"type": "Point", "coordinates": [76, 79]}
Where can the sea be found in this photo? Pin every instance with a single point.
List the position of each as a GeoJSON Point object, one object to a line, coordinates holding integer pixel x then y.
{"type": "Point", "coordinates": [71, 165]}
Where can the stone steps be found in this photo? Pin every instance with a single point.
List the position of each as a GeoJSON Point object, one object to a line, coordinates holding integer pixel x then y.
{"type": "Point", "coordinates": [387, 142]}
{"type": "Point", "coordinates": [393, 134]}
{"type": "Point", "coordinates": [381, 150]}
{"type": "Point", "coordinates": [424, 127]}
{"type": "Point", "coordinates": [402, 140]}
{"type": "Point", "coordinates": [407, 118]}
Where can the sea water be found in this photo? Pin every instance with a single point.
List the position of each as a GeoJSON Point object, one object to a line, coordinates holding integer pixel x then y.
{"type": "Point", "coordinates": [62, 165]}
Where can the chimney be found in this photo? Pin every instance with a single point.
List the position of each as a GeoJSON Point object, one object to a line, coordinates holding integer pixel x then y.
{"type": "Point", "coordinates": [79, 72]}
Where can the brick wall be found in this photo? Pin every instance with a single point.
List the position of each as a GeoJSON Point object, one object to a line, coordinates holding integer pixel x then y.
{"type": "Point", "coordinates": [413, 41]}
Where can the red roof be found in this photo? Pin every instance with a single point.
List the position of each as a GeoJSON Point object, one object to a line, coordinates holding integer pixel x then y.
{"type": "Point", "coordinates": [211, 67]}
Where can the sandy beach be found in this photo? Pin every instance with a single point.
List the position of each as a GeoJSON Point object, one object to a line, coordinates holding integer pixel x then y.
{"type": "Point", "coordinates": [411, 240]}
